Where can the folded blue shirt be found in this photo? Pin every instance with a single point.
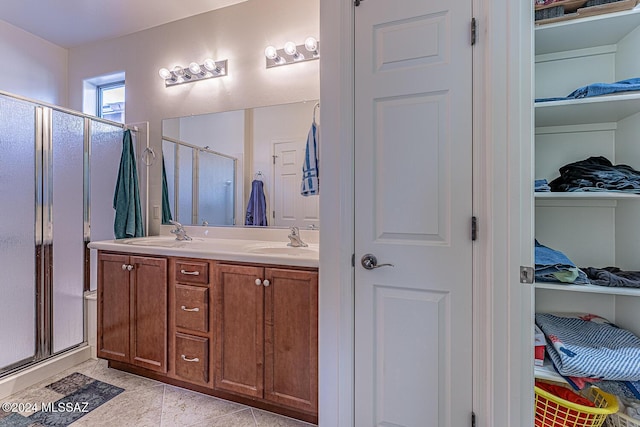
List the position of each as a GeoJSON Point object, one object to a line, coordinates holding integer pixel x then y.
{"type": "Point", "coordinates": [554, 266]}
{"type": "Point", "coordinates": [597, 89]}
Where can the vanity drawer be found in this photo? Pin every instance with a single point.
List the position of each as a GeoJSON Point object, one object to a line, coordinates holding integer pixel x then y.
{"type": "Point", "coordinates": [192, 272]}
{"type": "Point", "coordinates": [192, 358]}
{"type": "Point", "coordinates": [192, 308]}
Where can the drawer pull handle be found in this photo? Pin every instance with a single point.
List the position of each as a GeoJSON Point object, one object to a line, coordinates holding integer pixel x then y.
{"type": "Point", "coordinates": [184, 308]}
{"type": "Point", "coordinates": [190, 273]}
{"type": "Point", "coordinates": [186, 359]}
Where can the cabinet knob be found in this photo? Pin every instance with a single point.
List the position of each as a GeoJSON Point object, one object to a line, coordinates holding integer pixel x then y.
{"type": "Point", "coordinates": [124, 266]}
{"type": "Point", "coordinates": [258, 282]}
{"type": "Point", "coordinates": [129, 267]}
{"type": "Point", "coordinates": [186, 359]}
{"type": "Point", "coordinates": [266, 282]}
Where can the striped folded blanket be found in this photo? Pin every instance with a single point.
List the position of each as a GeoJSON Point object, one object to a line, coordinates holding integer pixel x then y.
{"type": "Point", "coordinates": [590, 346]}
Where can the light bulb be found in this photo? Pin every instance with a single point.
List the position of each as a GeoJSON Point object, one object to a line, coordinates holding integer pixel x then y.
{"type": "Point", "coordinates": [178, 71]}
{"type": "Point", "coordinates": [164, 73]}
{"type": "Point", "coordinates": [195, 68]}
{"type": "Point", "coordinates": [311, 44]}
{"type": "Point", "coordinates": [271, 52]}
{"type": "Point", "coordinates": [290, 49]}
{"type": "Point", "coordinates": [210, 65]}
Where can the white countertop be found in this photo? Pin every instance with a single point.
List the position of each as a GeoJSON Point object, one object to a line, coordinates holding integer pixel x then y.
{"type": "Point", "coordinates": [240, 246]}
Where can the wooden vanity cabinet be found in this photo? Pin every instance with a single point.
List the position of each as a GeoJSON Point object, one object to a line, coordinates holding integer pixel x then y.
{"type": "Point", "coordinates": [132, 310]}
{"type": "Point", "coordinates": [242, 332]}
{"type": "Point", "coordinates": [267, 334]}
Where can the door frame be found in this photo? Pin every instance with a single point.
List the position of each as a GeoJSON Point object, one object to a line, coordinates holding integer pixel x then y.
{"type": "Point", "coordinates": [503, 203]}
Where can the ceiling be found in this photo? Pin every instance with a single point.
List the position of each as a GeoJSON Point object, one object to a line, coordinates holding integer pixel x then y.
{"type": "Point", "coordinates": [70, 23]}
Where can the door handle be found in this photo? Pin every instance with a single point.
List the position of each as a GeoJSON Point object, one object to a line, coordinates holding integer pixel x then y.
{"type": "Point", "coordinates": [369, 262]}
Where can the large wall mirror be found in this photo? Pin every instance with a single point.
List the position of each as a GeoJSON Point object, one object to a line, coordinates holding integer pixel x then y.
{"type": "Point", "coordinates": [238, 168]}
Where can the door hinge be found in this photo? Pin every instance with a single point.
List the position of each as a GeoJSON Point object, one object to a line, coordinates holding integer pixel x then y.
{"type": "Point", "coordinates": [473, 419]}
{"type": "Point", "coordinates": [474, 30]}
{"type": "Point", "coordinates": [357, 2]}
{"type": "Point", "coordinates": [353, 260]}
{"type": "Point", "coordinates": [474, 228]}
{"type": "Point", "coordinates": [273, 214]}
{"type": "Point", "coordinates": [526, 274]}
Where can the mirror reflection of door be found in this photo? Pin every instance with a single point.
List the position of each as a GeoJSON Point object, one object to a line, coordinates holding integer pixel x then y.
{"type": "Point", "coordinates": [290, 208]}
{"type": "Point", "coordinates": [197, 195]}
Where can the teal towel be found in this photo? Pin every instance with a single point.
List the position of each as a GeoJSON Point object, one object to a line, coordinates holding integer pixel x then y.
{"type": "Point", "coordinates": [126, 199]}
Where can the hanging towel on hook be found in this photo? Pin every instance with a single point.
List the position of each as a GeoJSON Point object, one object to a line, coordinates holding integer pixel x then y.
{"type": "Point", "coordinates": [310, 173]}
{"type": "Point", "coordinates": [126, 199]}
{"type": "Point", "coordinates": [257, 206]}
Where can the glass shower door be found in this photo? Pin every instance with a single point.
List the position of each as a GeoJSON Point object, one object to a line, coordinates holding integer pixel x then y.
{"type": "Point", "coordinates": [67, 176]}
{"type": "Point", "coordinates": [20, 242]}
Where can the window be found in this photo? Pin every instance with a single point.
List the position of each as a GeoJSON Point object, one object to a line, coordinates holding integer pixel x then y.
{"type": "Point", "coordinates": [110, 102]}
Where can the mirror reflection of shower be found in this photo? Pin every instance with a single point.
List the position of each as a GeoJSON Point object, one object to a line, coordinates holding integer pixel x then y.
{"type": "Point", "coordinates": [200, 184]}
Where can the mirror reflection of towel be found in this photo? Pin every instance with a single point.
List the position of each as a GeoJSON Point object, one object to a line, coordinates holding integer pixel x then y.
{"type": "Point", "coordinates": [257, 206]}
{"type": "Point", "coordinates": [310, 174]}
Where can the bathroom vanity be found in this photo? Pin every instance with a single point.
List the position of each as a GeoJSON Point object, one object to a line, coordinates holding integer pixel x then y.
{"type": "Point", "coordinates": [236, 319]}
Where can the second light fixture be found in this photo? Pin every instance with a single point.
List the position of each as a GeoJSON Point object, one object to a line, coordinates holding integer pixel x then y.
{"type": "Point", "coordinates": [292, 53]}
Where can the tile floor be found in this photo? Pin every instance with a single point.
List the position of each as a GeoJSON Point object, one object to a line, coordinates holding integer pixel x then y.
{"type": "Point", "coordinates": [148, 403]}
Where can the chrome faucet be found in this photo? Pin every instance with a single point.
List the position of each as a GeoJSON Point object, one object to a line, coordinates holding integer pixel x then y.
{"type": "Point", "coordinates": [179, 231]}
{"type": "Point", "coordinates": [296, 241]}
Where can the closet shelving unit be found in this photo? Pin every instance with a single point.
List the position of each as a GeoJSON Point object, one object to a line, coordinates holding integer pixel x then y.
{"type": "Point", "coordinates": [596, 229]}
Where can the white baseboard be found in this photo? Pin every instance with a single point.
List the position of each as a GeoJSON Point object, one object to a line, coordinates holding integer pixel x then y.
{"type": "Point", "coordinates": [41, 371]}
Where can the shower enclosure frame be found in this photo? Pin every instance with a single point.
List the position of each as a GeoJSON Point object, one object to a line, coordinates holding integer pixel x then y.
{"type": "Point", "coordinates": [44, 226]}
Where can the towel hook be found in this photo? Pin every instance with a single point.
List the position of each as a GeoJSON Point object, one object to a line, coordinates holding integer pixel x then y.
{"type": "Point", "coordinates": [315, 108]}
{"type": "Point", "coordinates": [147, 154]}
{"type": "Point", "coordinates": [258, 175]}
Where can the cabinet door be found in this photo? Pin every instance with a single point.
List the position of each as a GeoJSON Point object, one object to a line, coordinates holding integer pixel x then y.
{"type": "Point", "coordinates": [291, 338]}
{"type": "Point", "coordinates": [149, 313]}
{"type": "Point", "coordinates": [113, 307]}
{"type": "Point", "coordinates": [239, 329]}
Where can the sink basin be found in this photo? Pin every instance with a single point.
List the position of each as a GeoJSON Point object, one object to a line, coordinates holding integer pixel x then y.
{"type": "Point", "coordinates": [282, 250]}
{"type": "Point", "coordinates": [165, 242]}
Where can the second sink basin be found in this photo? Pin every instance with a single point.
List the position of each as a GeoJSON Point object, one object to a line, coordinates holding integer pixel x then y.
{"type": "Point", "coordinates": [282, 250]}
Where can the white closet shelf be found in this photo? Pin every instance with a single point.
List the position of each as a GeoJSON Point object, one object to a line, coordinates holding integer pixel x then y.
{"type": "Point", "coordinates": [595, 289]}
{"type": "Point", "coordinates": [598, 30]}
{"type": "Point", "coordinates": [597, 109]}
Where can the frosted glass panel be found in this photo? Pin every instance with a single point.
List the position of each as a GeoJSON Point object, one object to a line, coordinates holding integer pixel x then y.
{"type": "Point", "coordinates": [185, 186]}
{"type": "Point", "coordinates": [106, 149]}
{"type": "Point", "coordinates": [68, 230]}
{"type": "Point", "coordinates": [17, 235]}
{"type": "Point", "coordinates": [215, 189]}
{"type": "Point", "coordinates": [168, 152]}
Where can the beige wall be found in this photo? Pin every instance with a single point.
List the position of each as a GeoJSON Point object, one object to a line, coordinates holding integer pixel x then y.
{"type": "Point", "coordinates": [238, 33]}
{"type": "Point", "coordinates": [32, 67]}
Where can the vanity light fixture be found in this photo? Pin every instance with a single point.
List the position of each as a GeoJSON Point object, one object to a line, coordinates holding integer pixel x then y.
{"type": "Point", "coordinates": [292, 53]}
{"type": "Point", "coordinates": [194, 72]}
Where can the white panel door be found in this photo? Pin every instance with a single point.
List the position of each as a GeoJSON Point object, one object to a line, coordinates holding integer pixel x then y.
{"type": "Point", "coordinates": [413, 208]}
{"type": "Point", "coordinates": [289, 206]}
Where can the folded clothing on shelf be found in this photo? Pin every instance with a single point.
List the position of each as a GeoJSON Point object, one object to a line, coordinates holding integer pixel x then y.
{"type": "Point", "coordinates": [586, 345]}
{"type": "Point", "coordinates": [596, 174]}
{"type": "Point", "coordinates": [541, 185]}
{"type": "Point", "coordinates": [554, 266]}
{"type": "Point", "coordinates": [597, 89]}
{"type": "Point", "coordinates": [613, 277]}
